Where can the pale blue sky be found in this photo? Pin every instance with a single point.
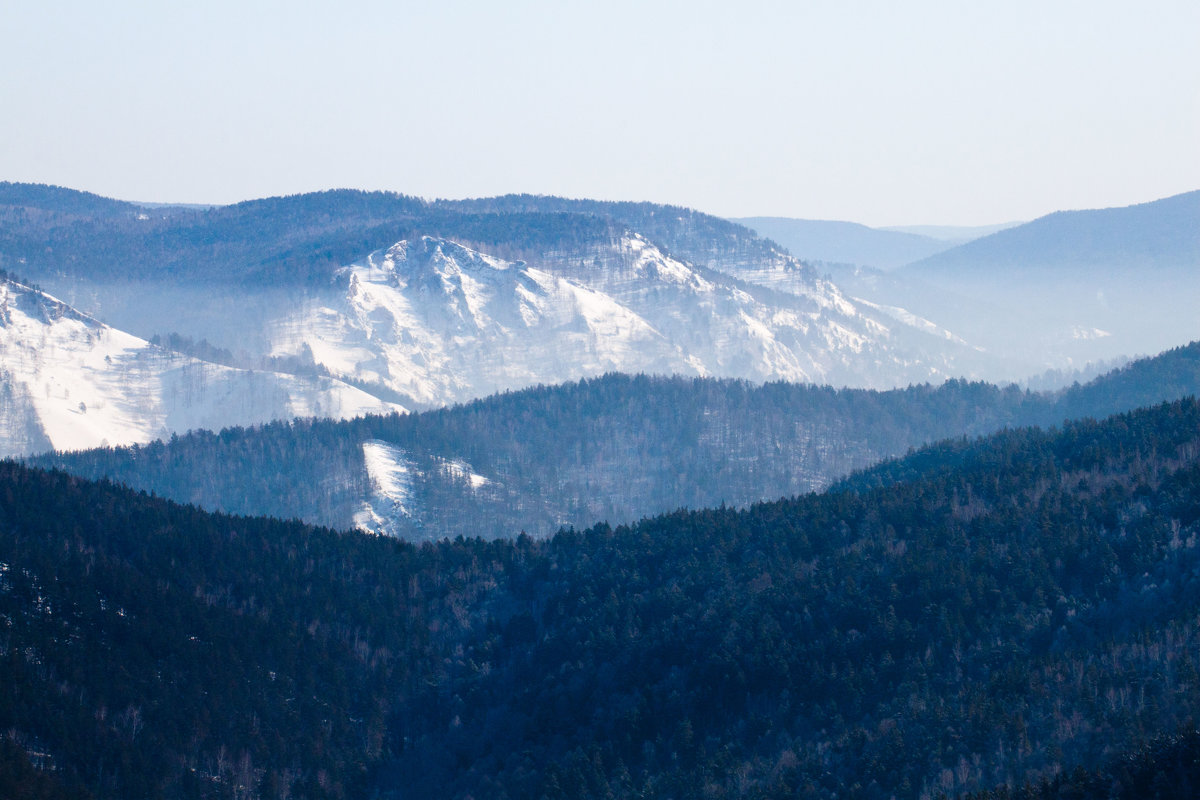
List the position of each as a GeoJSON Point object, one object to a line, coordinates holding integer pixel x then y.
{"type": "Point", "coordinates": [879, 112]}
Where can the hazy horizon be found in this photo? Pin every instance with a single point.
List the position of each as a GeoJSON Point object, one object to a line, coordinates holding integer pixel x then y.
{"type": "Point", "coordinates": [930, 113]}
{"type": "Point", "coordinates": [930, 229]}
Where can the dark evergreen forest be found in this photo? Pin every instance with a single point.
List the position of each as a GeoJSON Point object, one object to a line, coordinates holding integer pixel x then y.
{"type": "Point", "coordinates": [616, 448]}
{"type": "Point", "coordinates": [1015, 611]}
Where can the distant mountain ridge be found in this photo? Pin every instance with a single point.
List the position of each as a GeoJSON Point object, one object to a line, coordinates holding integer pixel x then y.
{"type": "Point", "coordinates": [60, 200]}
{"type": "Point", "coordinates": [954, 234]}
{"type": "Point", "coordinates": [845, 242]}
{"type": "Point", "coordinates": [1162, 234]}
{"type": "Point", "coordinates": [1073, 286]}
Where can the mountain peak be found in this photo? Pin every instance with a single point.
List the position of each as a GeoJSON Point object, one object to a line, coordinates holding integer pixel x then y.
{"type": "Point", "coordinates": [71, 382]}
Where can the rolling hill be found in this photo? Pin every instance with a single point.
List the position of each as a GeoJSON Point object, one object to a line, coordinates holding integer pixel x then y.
{"type": "Point", "coordinates": [979, 614]}
{"type": "Point", "coordinates": [845, 242]}
{"type": "Point", "coordinates": [615, 448]}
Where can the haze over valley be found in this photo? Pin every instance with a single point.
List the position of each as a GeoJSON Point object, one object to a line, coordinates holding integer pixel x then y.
{"type": "Point", "coordinates": [761, 375]}
{"type": "Point", "coordinates": [421, 304]}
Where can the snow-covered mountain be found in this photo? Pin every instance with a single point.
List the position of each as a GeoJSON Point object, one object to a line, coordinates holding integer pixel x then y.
{"type": "Point", "coordinates": [428, 321]}
{"type": "Point", "coordinates": [69, 382]}
{"type": "Point", "coordinates": [792, 325]}
{"type": "Point", "coordinates": [531, 289]}
{"type": "Point", "coordinates": [436, 322]}
{"type": "Point", "coordinates": [483, 296]}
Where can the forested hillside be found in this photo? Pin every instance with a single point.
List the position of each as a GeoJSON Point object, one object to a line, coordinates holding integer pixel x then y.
{"type": "Point", "coordinates": [683, 232]}
{"type": "Point", "coordinates": [50, 233]}
{"type": "Point", "coordinates": [615, 448]}
{"type": "Point", "coordinates": [428, 303]}
{"type": "Point", "coordinates": [50, 230]}
{"type": "Point", "coordinates": [1166, 769]}
{"type": "Point", "coordinates": [997, 612]}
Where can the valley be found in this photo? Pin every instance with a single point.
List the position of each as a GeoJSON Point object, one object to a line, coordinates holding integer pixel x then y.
{"type": "Point", "coordinates": [599, 401]}
{"type": "Point", "coordinates": [354, 494]}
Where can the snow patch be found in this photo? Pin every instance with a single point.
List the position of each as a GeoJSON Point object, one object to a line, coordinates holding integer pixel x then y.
{"type": "Point", "coordinates": [462, 472]}
{"type": "Point", "coordinates": [914, 321]}
{"type": "Point", "coordinates": [390, 473]}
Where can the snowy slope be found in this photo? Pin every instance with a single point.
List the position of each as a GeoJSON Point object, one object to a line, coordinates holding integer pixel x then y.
{"type": "Point", "coordinates": [69, 382]}
{"type": "Point", "coordinates": [429, 322]}
{"type": "Point", "coordinates": [735, 331]}
{"type": "Point", "coordinates": [604, 286]}
{"type": "Point", "coordinates": [390, 476]}
{"type": "Point", "coordinates": [438, 323]}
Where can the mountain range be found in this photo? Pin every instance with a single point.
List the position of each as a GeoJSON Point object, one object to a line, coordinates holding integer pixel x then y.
{"type": "Point", "coordinates": [423, 303]}
{"type": "Point", "coordinates": [616, 448]}
{"type": "Point", "coordinates": [846, 242]}
{"type": "Point", "coordinates": [341, 303]}
{"type": "Point", "coordinates": [1163, 235]}
{"type": "Point", "coordinates": [981, 613]}
{"type": "Point", "coordinates": [1074, 286]}
{"type": "Point", "coordinates": [791, 559]}
{"type": "Point", "coordinates": [1127, 277]}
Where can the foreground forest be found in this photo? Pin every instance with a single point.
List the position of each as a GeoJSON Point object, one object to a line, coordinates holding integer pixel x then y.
{"type": "Point", "coordinates": [978, 614]}
{"type": "Point", "coordinates": [614, 449]}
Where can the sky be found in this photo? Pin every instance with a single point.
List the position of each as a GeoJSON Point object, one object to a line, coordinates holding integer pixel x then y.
{"type": "Point", "coordinates": [882, 113]}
